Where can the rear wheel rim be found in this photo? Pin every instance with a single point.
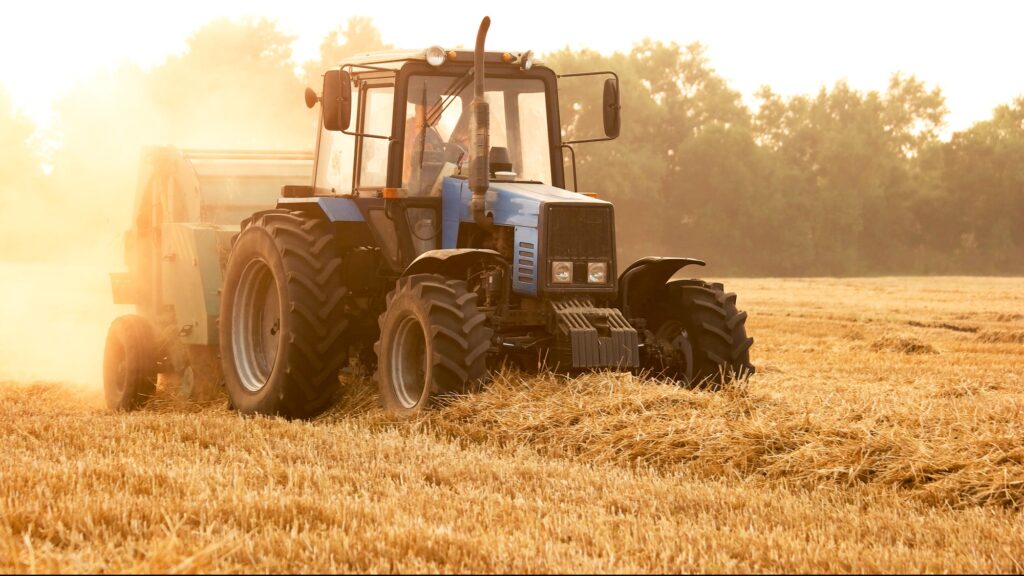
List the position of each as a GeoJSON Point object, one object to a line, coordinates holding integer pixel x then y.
{"type": "Point", "coordinates": [256, 325]}
{"type": "Point", "coordinates": [409, 362]}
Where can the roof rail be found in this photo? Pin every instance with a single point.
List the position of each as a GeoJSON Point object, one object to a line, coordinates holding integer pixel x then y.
{"type": "Point", "coordinates": [211, 154]}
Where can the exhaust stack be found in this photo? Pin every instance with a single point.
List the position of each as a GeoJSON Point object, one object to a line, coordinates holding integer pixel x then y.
{"type": "Point", "coordinates": [480, 145]}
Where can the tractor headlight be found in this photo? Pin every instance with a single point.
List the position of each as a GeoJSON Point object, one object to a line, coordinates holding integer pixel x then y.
{"type": "Point", "coordinates": [436, 55]}
{"type": "Point", "coordinates": [561, 272]}
{"type": "Point", "coordinates": [597, 272]}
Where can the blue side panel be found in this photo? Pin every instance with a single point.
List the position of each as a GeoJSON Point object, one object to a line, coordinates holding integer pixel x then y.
{"type": "Point", "coordinates": [336, 209]}
{"type": "Point", "coordinates": [451, 206]}
{"type": "Point", "coordinates": [524, 269]}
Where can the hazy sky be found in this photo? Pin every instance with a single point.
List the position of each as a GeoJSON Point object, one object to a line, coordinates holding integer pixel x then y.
{"type": "Point", "coordinates": [972, 50]}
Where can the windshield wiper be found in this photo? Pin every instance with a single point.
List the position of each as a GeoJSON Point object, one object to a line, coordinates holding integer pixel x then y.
{"type": "Point", "coordinates": [450, 94]}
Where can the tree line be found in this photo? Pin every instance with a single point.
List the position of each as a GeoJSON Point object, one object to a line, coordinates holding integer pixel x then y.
{"type": "Point", "coordinates": [841, 182]}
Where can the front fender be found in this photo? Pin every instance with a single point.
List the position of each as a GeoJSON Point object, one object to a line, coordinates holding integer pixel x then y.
{"type": "Point", "coordinates": [452, 263]}
{"type": "Point", "coordinates": [640, 282]}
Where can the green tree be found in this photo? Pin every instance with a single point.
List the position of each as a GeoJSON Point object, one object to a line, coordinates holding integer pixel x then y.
{"type": "Point", "coordinates": [983, 178]}
{"type": "Point", "coordinates": [359, 36]}
{"type": "Point", "coordinates": [670, 97]}
{"type": "Point", "coordinates": [18, 159]}
{"type": "Point", "coordinates": [22, 197]}
{"type": "Point", "coordinates": [848, 162]}
{"type": "Point", "coordinates": [834, 183]}
{"type": "Point", "coordinates": [234, 87]}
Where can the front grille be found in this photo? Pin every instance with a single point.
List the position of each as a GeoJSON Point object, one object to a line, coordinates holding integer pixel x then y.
{"type": "Point", "coordinates": [578, 232]}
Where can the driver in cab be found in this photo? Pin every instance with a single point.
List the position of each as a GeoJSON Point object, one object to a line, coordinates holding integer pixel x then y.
{"type": "Point", "coordinates": [427, 156]}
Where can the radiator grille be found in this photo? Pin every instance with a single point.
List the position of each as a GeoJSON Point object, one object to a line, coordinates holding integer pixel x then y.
{"type": "Point", "coordinates": [579, 232]}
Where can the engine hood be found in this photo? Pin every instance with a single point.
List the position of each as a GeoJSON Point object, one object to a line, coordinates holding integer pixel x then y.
{"type": "Point", "coordinates": [509, 203]}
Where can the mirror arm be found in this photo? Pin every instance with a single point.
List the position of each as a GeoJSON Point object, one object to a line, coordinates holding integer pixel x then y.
{"type": "Point", "coordinates": [362, 135]}
{"type": "Point", "coordinates": [598, 73]}
{"type": "Point", "coordinates": [572, 154]}
{"type": "Point", "coordinates": [605, 139]}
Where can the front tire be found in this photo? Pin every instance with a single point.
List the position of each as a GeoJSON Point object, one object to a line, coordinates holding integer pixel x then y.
{"type": "Point", "coordinates": [129, 363]}
{"type": "Point", "coordinates": [433, 342]}
{"type": "Point", "coordinates": [282, 324]}
{"type": "Point", "coordinates": [700, 335]}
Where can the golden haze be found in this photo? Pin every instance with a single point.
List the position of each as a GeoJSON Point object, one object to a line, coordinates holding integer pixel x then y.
{"type": "Point", "coordinates": [883, 430]}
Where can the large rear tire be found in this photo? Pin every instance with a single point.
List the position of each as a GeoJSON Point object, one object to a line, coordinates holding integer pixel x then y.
{"type": "Point", "coordinates": [701, 335]}
{"type": "Point", "coordinates": [129, 363]}
{"type": "Point", "coordinates": [433, 343]}
{"type": "Point", "coordinates": [282, 324]}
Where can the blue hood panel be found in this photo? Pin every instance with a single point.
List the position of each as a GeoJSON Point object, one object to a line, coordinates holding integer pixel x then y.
{"type": "Point", "coordinates": [509, 203]}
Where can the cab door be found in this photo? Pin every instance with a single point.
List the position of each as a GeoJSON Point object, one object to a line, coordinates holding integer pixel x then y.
{"type": "Point", "coordinates": [406, 227]}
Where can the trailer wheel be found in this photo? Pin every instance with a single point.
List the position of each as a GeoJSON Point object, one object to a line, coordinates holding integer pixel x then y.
{"type": "Point", "coordinates": [282, 325]}
{"type": "Point", "coordinates": [433, 342]}
{"type": "Point", "coordinates": [129, 363]}
{"type": "Point", "coordinates": [700, 335]}
{"type": "Point", "coordinates": [201, 379]}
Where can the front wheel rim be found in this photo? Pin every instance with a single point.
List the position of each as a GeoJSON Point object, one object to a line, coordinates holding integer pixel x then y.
{"type": "Point", "coordinates": [256, 325]}
{"type": "Point", "coordinates": [409, 363]}
{"type": "Point", "coordinates": [676, 346]}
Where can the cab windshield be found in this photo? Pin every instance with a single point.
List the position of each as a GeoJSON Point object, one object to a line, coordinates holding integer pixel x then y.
{"type": "Point", "coordinates": [438, 126]}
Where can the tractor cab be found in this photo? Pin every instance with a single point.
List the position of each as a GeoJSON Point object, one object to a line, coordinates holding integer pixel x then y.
{"type": "Point", "coordinates": [404, 120]}
{"type": "Point", "coordinates": [396, 125]}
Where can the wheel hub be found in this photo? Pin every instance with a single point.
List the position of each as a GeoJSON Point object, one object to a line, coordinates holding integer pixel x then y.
{"type": "Point", "coordinates": [409, 362]}
{"type": "Point", "coordinates": [256, 325]}
{"type": "Point", "coordinates": [676, 350]}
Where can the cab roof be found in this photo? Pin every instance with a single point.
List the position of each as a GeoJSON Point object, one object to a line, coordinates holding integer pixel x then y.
{"type": "Point", "coordinates": [395, 59]}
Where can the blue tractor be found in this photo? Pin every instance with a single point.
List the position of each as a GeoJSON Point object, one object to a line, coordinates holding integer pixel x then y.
{"type": "Point", "coordinates": [438, 238]}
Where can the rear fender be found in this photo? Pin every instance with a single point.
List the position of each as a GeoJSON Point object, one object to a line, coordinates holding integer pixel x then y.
{"type": "Point", "coordinates": [453, 263]}
{"type": "Point", "coordinates": [640, 283]}
{"type": "Point", "coordinates": [335, 209]}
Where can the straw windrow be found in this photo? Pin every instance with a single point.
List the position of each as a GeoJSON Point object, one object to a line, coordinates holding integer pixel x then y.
{"type": "Point", "coordinates": [837, 456]}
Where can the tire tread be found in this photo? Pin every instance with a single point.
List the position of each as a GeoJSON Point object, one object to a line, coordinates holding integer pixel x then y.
{"type": "Point", "coordinates": [459, 334]}
{"type": "Point", "coordinates": [317, 347]}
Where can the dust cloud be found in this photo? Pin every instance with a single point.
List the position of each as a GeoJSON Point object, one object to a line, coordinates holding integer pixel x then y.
{"type": "Point", "coordinates": [67, 195]}
{"type": "Point", "coordinates": [55, 318]}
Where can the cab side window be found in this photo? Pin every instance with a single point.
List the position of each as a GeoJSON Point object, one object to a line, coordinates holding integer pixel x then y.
{"type": "Point", "coordinates": [378, 106]}
{"type": "Point", "coordinates": [335, 160]}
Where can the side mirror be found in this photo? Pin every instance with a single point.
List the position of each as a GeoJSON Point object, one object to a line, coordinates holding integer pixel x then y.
{"type": "Point", "coordinates": [337, 100]}
{"type": "Point", "coordinates": [611, 107]}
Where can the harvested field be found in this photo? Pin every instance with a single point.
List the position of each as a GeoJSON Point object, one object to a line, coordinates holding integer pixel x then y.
{"type": "Point", "coordinates": [884, 431]}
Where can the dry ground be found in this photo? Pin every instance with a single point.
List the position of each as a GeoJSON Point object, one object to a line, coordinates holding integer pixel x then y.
{"type": "Point", "coordinates": [884, 431]}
